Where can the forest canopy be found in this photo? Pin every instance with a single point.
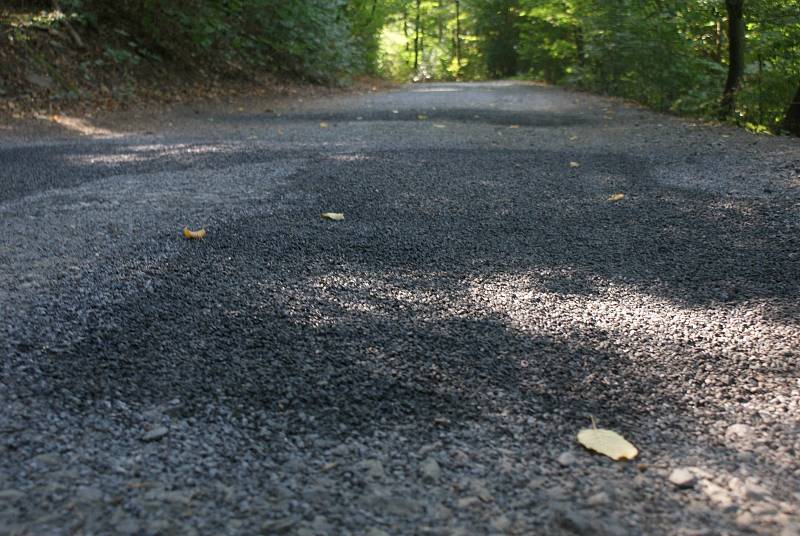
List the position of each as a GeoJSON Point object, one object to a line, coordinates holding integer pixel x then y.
{"type": "Point", "coordinates": [734, 59]}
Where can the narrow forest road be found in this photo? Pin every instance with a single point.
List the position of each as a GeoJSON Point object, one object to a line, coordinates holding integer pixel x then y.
{"type": "Point", "coordinates": [423, 366]}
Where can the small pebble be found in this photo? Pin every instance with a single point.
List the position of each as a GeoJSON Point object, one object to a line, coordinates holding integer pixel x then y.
{"type": "Point", "coordinates": [430, 471]}
{"type": "Point", "coordinates": [682, 478]}
{"type": "Point", "coordinates": [566, 459]}
{"type": "Point", "coordinates": [599, 499]}
{"type": "Point", "coordinates": [155, 434]}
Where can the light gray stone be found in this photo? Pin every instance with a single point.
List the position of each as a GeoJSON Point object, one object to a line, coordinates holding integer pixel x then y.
{"type": "Point", "coordinates": [479, 488]}
{"type": "Point", "coordinates": [89, 494]}
{"type": "Point", "coordinates": [500, 523]}
{"type": "Point", "coordinates": [566, 459]}
{"type": "Point", "coordinates": [430, 471]}
{"type": "Point", "coordinates": [682, 478]}
{"type": "Point", "coordinates": [738, 431]}
{"type": "Point", "coordinates": [278, 526]}
{"type": "Point", "coordinates": [157, 433]}
{"type": "Point", "coordinates": [599, 499]}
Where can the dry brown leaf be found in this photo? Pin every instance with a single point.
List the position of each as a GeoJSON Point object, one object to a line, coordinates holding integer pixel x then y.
{"type": "Point", "coordinates": [616, 197]}
{"type": "Point", "coordinates": [194, 235]}
{"type": "Point", "coordinates": [335, 216]}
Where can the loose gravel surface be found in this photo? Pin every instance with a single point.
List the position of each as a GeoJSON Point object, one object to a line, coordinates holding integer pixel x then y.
{"type": "Point", "coordinates": [422, 367]}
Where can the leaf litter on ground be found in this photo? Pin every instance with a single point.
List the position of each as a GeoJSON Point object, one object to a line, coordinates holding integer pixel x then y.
{"type": "Point", "coordinates": [607, 442]}
{"type": "Point", "coordinates": [333, 216]}
{"type": "Point", "coordinates": [194, 235]}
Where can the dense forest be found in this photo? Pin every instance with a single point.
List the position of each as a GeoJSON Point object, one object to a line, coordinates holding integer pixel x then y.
{"type": "Point", "coordinates": [736, 59]}
{"type": "Point", "coordinates": [732, 59]}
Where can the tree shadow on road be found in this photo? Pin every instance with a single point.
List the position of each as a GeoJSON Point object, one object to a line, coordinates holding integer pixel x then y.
{"type": "Point", "coordinates": [390, 315]}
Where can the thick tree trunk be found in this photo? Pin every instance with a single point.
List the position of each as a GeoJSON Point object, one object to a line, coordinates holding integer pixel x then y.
{"type": "Point", "coordinates": [736, 43]}
{"type": "Point", "coordinates": [792, 120]}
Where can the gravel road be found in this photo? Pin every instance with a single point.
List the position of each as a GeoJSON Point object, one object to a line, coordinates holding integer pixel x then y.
{"type": "Point", "coordinates": [423, 366]}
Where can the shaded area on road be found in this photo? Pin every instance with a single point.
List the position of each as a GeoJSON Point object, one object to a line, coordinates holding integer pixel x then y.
{"type": "Point", "coordinates": [372, 319]}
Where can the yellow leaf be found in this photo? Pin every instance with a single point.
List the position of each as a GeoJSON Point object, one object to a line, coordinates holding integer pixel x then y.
{"type": "Point", "coordinates": [573, 137]}
{"type": "Point", "coordinates": [324, 125]}
{"type": "Point", "coordinates": [422, 117]}
{"type": "Point", "coordinates": [616, 197]}
{"type": "Point", "coordinates": [607, 442]}
{"type": "Point", "coordinates": [513, 126]}
{"type": "Point", "coordinates": [335, 216]}
{"type": "Point", "coordinates": [199, 234]}
{"type": "Point", "coordinates": [574, 165]}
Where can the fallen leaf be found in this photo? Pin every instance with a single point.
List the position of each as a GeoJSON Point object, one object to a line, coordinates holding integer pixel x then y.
{"type": "Point", "coordinates": [513, 126]}
{"type": "Point", "coordinates": [573, 137]}
{"type": "Point", "coordinates": [574, 165]}
{"type": "Point", "coordinates": [616, 197]}
{"type": "Point", "coordinates": [199, 234]}
{"type": "Point", "coordinates": [335, 216]}
{"type": "Point", "coordinates": [422, 117]}
{"type": "Point", "coordinates": [608, 443]}
{"type": "Point", "coordinates": [324, 125]}
{"type": "Point", "coordinates": [438, 125]}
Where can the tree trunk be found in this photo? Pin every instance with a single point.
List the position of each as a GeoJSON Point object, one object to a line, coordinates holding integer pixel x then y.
{"type": "Point", "coordinates": [580, 46]}
{"type": "Point", "coordinates": [792, 120]}
{"type": "Point", "coordinates": [458, 34]}
{"type": "Point", "coordinates": [736, 37]}
{"type": "Point", "coordinates": [440, 22]}
{"type": "Point", "coordinates": [416, 39]}
{"type": "Point", "coordinates": [405, 28]}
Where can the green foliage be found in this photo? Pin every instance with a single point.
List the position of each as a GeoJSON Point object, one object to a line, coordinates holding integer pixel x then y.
{"type": "Point", "coordinates": [669, 55]}
{"type": "Point", "coordinates": [320, 40]}
{"type": "Point", "coordinates": [446, 48]}
{"type": "Point", "coordinates": [496, 22]}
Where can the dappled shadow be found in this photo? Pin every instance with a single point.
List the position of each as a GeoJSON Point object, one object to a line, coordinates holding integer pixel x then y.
{"type": "Point", "coordinates": [481, 115]}
{"type": "Point", "coordinates": [392, 314]}
{"type": "Point", "coordinates": [511, 209]}
{"type": "Point", "coordinates": [26, 170]}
